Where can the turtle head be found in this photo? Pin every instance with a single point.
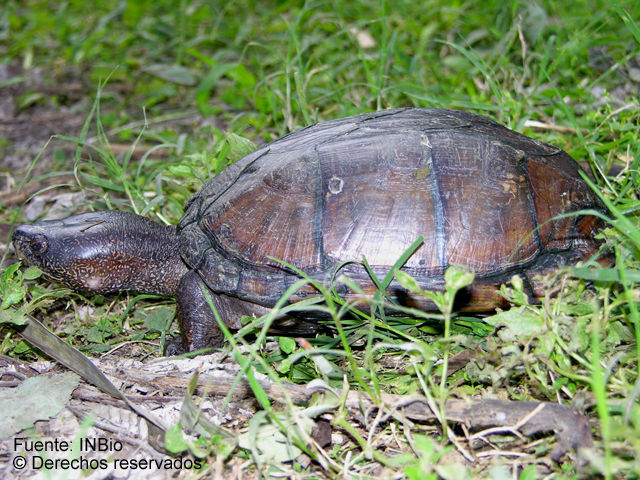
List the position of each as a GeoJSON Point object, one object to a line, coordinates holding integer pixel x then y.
{"type": "Point", "coordinates": [102, 252]}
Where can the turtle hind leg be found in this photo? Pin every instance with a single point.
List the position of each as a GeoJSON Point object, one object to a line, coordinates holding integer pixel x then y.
{"type": "Point", "coordinates": [232, 309]}
{"type": "Point", "coordinates": [297, 326]}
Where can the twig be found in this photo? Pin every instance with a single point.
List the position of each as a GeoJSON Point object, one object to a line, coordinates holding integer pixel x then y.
{"type": "Point", "coordinates": [536, 125]}
{"type": "Point", "coordinates": [571, 428]}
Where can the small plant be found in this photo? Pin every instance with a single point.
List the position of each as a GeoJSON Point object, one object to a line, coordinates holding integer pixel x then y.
{"type": "Point", "coordinates": [429, 464]}
{"type": "Point", "coordinates": [455, 279]}
{"type": "Point", "coordinates": [12, 288]}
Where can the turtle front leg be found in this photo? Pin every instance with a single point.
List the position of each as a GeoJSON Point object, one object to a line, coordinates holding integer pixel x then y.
{"type": "Point", "coordinates": [198, 326]}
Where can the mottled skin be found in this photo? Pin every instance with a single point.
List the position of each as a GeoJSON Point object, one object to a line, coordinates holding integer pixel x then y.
{"type": "Point", "coordinates": [482, 196]}
{"type": "Point", "coordinates": [105, 252]}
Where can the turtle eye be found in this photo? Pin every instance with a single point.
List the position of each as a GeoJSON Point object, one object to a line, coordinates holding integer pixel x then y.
{"type": "Point", "coordinates": [38, 244]}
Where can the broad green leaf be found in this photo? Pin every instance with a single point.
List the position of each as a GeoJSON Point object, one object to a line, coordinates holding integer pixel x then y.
{"type": "Point", "coordinates": [240, 74]}
{"type": "Point", "coordinates": [268, 439]}
{"type": "Point", "coordinates": [287, 344]}
{"type": "Point", "coordinates": [605, 274]}
{"type": "Point", "coordinates": [12, 293]}
{"type": "Point", "coordinates": [31, 273]}
{"type": "Point", "coordinates": [173, 440]}
{"type": "Point", "coordinates": [172, 73]}
{"type": "Point", "coordinates": [239, 146]}
{"type": "Point", "coordinates": [158, 319]}
{"type": "Point", "coordinates": [408, 282]}
{"type": "Point", "coordinates": [208, 83]}
{"type": "Point", "coordinates": [519, 322]}
{"type": "Point", "coordinates": [181, 170]}
{"type": "Point", "coordinates": [457, 278]}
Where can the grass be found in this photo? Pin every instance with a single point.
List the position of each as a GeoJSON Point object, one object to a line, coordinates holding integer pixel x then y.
{"type": "Point", "coordinates": [207, 82]}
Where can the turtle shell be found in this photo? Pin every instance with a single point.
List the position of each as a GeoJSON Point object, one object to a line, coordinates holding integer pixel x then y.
{"type": "Point", "coordinates": [481, 196]}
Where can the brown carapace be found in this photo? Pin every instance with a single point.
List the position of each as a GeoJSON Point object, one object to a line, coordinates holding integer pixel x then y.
{"type": "Point", "coordinates": [481, 196]}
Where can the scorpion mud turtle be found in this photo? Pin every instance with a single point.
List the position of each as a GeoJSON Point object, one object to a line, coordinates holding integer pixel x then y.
{"type": "Point", "coordinates": [481, 196]}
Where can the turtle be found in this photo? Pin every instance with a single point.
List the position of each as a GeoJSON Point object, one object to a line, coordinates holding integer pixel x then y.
{"type": "Point", "coordinates": [320, 199]}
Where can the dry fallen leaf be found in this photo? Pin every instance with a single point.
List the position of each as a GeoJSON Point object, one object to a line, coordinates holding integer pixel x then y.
{"type": "Point", "coordinates": [363, 38]}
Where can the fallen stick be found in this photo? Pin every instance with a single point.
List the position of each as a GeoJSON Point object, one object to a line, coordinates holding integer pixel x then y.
{"type": "Point", "coordinates": [527, 418]}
